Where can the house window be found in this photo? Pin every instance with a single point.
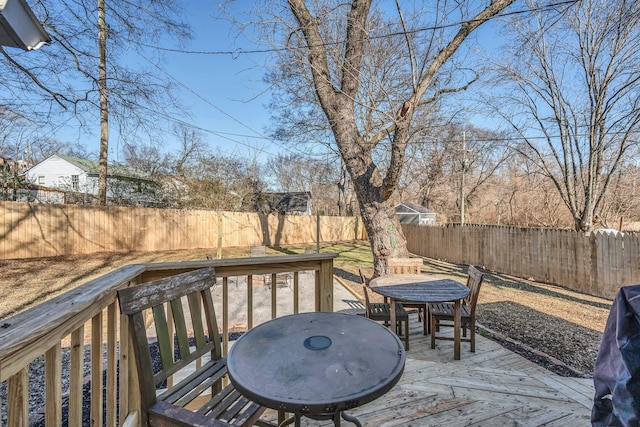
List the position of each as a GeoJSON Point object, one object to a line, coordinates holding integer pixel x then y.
{"type": "Point", "coordinates": [75, 182]}
{"type": "Point", "coordinates": [63, 181]}
{"type": "Point", "coordinates": [40, 179]}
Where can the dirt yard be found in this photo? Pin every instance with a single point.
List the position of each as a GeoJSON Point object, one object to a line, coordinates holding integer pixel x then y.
{"type": "Point", "coordinates": [550, 325]}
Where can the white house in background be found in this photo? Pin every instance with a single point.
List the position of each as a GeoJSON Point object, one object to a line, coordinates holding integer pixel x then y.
{"type": "Point", "coordinates": [80, 176]}
{"type": "Point", "coordinates": [411, 213]}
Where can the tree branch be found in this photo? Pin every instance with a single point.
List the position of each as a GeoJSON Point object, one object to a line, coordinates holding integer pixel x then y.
{"type": "Point", "coordinates": [58, 97]}
{"type": "Point", "coordinates": [465, 29]}
{"type": "Point", "coordinates": [317, 57]}
{"type": "Point", "coordinates": [440, 92]}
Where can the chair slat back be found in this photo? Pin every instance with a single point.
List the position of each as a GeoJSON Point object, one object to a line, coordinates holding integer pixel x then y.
{"type": "Point", "coordinates": [363, 279]}
{"type": "Point", "coordinates": [165, 300]}
{"type": "Point", "coordinates": [474, 281]}
{"type": "Point", "coordinates": [366, 301]}
{"type": "Point", "coordinates": [405, 265]}
{"type": "Point", "coordinates": [367, 305]}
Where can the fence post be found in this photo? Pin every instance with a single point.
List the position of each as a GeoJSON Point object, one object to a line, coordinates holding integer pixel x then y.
{"type": "Point", "coordinates": [219, 245]}
{"type": "Point", "coordinates": [318, 233]}
{"type": "Point", "coordinates": [593, 248]}
{"type": "Point", "coordinates": [356, 235]}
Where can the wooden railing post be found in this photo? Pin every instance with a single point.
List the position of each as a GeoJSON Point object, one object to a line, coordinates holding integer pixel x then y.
{"type": "Point", "coordinates": [75, 374]}
{"type": "Point", "coordinates": [53, 386]}
{"type": "Point", "coordinates": [18, 404]}
{"type": "Point", "coordinates": [324, 289]}
{"type": "Point", "coordinates": [96, 370]}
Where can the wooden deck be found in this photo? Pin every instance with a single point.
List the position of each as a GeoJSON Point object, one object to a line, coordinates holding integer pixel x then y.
{"type": "Point", "coordinates": [492, 387]}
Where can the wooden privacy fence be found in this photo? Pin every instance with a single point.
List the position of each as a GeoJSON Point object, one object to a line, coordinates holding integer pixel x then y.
{"type": "Point", "coordinates": [42, 230]}
{"type": "Point", "coordinates": [596, 264]}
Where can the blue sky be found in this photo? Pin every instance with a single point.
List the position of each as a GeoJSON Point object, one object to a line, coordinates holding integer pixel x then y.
{"type": "Point", "coordinates": [224, 92]}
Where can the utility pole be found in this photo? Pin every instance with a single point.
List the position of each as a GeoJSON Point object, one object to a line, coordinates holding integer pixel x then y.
{"type": "Point", "coordinates": [464, 167]}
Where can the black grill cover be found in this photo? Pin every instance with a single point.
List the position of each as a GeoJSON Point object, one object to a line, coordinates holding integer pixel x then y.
{"type": "Point", "coordinates": [616, 376]}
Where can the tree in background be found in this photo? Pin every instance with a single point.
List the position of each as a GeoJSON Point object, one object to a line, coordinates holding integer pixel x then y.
{"type": "Point", "coordinates": [440, 162]}
{"type": "Point", "coordinates": [517, 196]}
{"type": "Point", "coordinates": [371, 75]}
{"type": "Point", "coordinates": [72, 79]}
{"type": "Point", "coordinates": [293, 173]}
{"type": "Point", "coordinates": [196, 177]}
{"type": "Point", "coordinates": [574, 97]}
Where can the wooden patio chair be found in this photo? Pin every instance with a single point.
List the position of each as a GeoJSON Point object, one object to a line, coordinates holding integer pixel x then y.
{"type": "Point", "coordinates": [411, 266]}
{"type": "Point", "coordinates": [381, 312]}
{"type": "Point", "coordinates": [184, 303]}
{"type": "Point", "coordinates": [439, 312]}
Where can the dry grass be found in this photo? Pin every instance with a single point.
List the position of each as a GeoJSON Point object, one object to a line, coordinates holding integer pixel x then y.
{"type": "Point", "coordinates": [563, 324]}
{"type": "Point", "coordinates": [25, 283]}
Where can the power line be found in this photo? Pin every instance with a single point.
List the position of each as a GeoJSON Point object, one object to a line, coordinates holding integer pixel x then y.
{"type": "Point", "coordinates": [518, 138]}
{"type": "Point", "coordinates": [241, 51]}
{"type": "Point", "coordinates": [222, 134]}
{"type": "Point", "coordinates": [209, 131]}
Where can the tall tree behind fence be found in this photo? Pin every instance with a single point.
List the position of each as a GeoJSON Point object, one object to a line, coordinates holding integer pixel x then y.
{"type": "Point", "coordinates": [43, 230]}
{"type": "Point", "coordinates": [596, 264]}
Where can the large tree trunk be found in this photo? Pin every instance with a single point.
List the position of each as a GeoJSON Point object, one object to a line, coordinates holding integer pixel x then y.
{"type": "Point", "coordinates": [338, 93]}
{"type": "Point", "coordinates": [384, 231]}
{"type": "Point", "coordinates": [584, 223]}
{"type": "Point", "coordinates": [376, 204]}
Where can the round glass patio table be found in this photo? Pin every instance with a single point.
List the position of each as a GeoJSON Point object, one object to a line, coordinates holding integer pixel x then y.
{"type": "Point", "coordinates": [316, 364]}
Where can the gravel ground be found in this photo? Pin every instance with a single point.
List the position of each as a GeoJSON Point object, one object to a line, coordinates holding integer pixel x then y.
{"type": "Point", "coordinates": [564, 325]}
{"type": "Point", "coordinates": [37, 387]}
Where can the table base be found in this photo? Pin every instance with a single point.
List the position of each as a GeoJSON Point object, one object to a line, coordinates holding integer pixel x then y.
{"type": "Point", "coordinates": [321, 417]}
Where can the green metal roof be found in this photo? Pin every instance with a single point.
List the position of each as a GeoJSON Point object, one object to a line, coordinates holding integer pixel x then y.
{"type": "Point", "coordinates": [92, 167]}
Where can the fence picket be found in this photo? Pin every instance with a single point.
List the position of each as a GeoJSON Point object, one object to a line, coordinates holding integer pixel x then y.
{"type": "Point", "coordinates": [39, 230]}
{"type": "Point", "coordinates": [596, 264]}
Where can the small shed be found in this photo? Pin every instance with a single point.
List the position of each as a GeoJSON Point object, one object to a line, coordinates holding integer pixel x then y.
{"type": "Point", "coordinates": [412, 213]}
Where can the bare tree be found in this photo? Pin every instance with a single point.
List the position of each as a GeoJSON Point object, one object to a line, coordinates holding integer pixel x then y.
{"type": "Point", "coordinates": [519, 196]}
{"type": "Point", "coordinates": [574, 97]}
{"type": "Point", "coordinates": [87, 74]}
{"type": "Point", "coordinates": [297, 173]}
{"type": "Point", "coordinates": [371, 76]}
{"type": "Point", "coordinates": [450, 162]}
{"type": "Point", "coordinates": [621, 203]}
{"type": "Point", "coordinates": [148, 158]}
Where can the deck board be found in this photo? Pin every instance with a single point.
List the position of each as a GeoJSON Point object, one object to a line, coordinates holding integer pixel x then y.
{"type": "Point", "coordinates": [491, 387]}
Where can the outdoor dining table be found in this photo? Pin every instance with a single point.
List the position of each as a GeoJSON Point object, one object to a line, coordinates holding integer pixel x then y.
{"type": "Point", "coordinates": [422, 288]}
{"type": "Point", "coordinates": [316, 364]}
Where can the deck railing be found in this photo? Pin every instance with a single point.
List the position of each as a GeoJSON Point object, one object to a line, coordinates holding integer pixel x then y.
{"type": "Point", "coordinates": [58, 333]}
